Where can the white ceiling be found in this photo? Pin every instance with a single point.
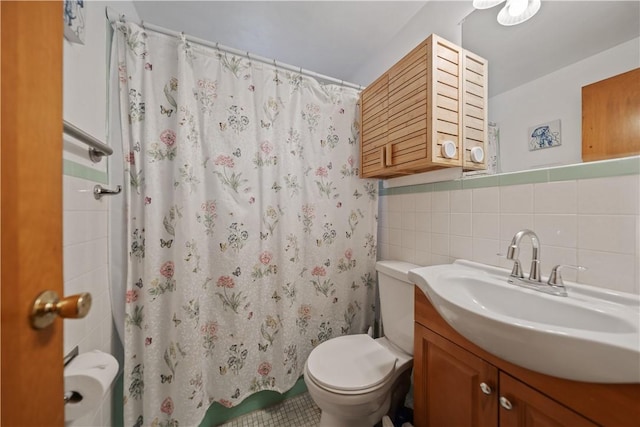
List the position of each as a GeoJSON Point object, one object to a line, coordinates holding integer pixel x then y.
{"type": "Point", "coordinates": [329, 37]}
{"type": "Point", "coordinates": [560, 34]}
{"type": "Point", "coordinates": [337, 38]}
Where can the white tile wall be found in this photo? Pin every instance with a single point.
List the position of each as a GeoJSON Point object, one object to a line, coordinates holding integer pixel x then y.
{"type": "Point", "coordinates": [85, 258]}
{"type": "Point", "coordinates": [594, 223]}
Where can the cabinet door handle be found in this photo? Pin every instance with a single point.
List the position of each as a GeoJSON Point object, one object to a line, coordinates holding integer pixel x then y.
{"type": "Point", "coordinates": [504, 402]}
{"type": "Point", "coordinates": [486, 389]}
{"type": "Point", "coordinates": [383, 162]}
{"type": "Point", "coordinates": [388, 158]}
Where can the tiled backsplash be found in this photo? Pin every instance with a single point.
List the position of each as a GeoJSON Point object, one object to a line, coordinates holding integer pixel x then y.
{"type": "Point", "coordinates": [592, 222]}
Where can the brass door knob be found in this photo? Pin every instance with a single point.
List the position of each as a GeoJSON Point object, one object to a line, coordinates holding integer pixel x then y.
{"type": "Point", "coordinates": [48, 305]}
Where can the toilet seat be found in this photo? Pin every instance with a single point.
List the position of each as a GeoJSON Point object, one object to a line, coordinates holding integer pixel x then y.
{"type": "Point", "coordinates": [350, 363]}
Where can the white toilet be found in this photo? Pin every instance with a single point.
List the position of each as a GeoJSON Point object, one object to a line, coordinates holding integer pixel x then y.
{"type": "Point", "coordinates": [355, 379]}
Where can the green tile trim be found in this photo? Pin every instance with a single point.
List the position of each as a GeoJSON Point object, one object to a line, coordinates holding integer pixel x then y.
{"type": "Point", "coordinates": [408, 189]}
{"type": "Point", "coordinates": [600, 169]}
{"type": "Point", "coordinates": [77, 170]}
{"type": "Point", "coordinates": [218, 414]}
{"type": "Point", "coordinates": [447, 185]}
{"type": "Point", "coordinates": [528, 177]}
{"type": "Point", "coordinates": [117, 409]}
{"type": "Point", "coordinates": [481, 182]}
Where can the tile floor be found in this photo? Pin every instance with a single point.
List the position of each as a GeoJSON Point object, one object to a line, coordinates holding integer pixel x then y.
{"type": "Point", "coordinates": [298, 411]}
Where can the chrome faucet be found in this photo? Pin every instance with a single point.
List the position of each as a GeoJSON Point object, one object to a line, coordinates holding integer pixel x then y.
{"type": "Point", "coordinates": [513, 251]}
{"type": "Point", "coordinates": [553, 286]}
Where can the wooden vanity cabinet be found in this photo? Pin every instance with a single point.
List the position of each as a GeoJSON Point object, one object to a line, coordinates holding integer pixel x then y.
{"type": "Point", "coordinates": [530, 408]}
{"type": "Point", "coordinates": [449, 372]}
{"type": "Point", "coordinates": [449, 389]}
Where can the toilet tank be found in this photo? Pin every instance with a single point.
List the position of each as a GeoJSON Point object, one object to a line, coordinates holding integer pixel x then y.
{"type": "Point", "coordinates": [396, 302]}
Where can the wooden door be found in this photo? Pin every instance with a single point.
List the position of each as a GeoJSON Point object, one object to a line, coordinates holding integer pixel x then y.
{"type": "Point", "coordinates": [448, 382]}
{"type": "Point", "coordinates": [610, 117]}
{"type": "Point", "coordinates": [530, 408]}
{"type": "Point", "coordinates": [31, 210]}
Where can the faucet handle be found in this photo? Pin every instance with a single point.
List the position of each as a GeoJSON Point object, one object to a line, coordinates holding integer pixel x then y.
{"type": "Point", "coordinates": [516, 271]}
{"type": "Point", "coordinates": [555, 278]}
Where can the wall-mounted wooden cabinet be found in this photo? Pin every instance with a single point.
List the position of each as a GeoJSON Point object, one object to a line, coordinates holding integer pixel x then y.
{"type": "Point", "coordinates": [427, 112]}
{"type": "Point", "coordinates": [456, 383]}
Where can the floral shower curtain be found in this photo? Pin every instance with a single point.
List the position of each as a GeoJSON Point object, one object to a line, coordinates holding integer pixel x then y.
{"type": "Point", "coordinates": [251, 238]}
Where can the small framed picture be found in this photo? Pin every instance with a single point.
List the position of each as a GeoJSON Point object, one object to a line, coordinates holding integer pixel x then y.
{"type": "Point", "coordinates": [545, 135]}
{"type": "Point", "coordinates": [74, 24]}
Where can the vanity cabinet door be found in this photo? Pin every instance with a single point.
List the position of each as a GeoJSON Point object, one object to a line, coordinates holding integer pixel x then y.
{"type": "Point", "coordinates": [522, 406]}
{"type": "Point", "coordinates": [452, 387]}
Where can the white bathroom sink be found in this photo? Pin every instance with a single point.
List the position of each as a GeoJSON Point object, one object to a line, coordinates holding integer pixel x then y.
{"type": "Point", "coordinates": [592, 335]}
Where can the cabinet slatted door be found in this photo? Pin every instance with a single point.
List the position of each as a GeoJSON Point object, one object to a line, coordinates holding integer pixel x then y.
{"type": "Point", "coordinates": [530, 408]}
{"type": "Point", "coordinates": [449, 392]}
{"type": "Point", "coordinates": [374, 127]}
{"type": "Point", "coordinates": [474, 108]}
{"type": "Point", "coordinates": [445, 96]}
{"type": "Point", "coordinates": [408, 108]}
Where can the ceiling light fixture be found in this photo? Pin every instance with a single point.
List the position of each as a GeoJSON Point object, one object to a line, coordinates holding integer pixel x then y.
{"type": "Point", "coordinates": [514, 12]}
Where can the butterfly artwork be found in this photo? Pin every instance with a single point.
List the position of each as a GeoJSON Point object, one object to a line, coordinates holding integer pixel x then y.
{"type": "Point", "coordinates": [176, 321]}
{"type": "Point", "coordinates": [263, 347]}
{"type": "Point", "coordinates": [264, 125]}
{"type": "Point", "coordinates": [148, 66]}
{"type": "Point", "coordinates": [327, 263]}
{"type": "Point", "coordinates": [139, 283]}
{"type": "Point", "coordinates": [237, 272]}
{"type": "Point", "coordinates": [237, 153]}
{"type": "Point", "coordinates": [136, 146]}
{"type": "Point", "coordinates": [344, 330]}
{"type": "Point", "coordinates": [223, 126]}
{"type": "Point", "coordinates": [166, 378]}
{"type": "Point", "coordinates": [236, 394]}
{"type": "Point", "coordinates": [166, 243]}
{"type": "Point", "coordinates": [330, 165]}
{"type": "Point", "coordinates": [223, 246]}
{"type": "Point", "coordinates": [223, 370]}
{"type": "Point", "coordinates": [139, 421]}
{"type": "Point", "coordinates": [263, 236]}
{"type": "Point", "coordinates": [166, 111]}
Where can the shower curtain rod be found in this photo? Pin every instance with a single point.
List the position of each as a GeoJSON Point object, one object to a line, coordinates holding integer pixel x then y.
{"type": "Point", "coordinates": [113, 16]}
